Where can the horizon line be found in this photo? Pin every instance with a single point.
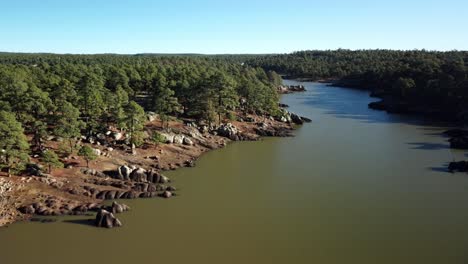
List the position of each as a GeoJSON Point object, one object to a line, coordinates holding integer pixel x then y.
{"type": "Point", "coordinates": [223, 54]}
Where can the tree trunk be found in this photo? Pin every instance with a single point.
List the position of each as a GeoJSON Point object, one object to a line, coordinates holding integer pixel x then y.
{"type": "Point", "coordinates": [71, 145]}
{"type": "Point", "coordinates": [50, 168]}
{"type": "Point", "coordinates": [87, 163]}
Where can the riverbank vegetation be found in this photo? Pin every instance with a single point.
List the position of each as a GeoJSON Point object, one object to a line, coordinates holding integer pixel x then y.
{"type": "Point", "coordinates": [74, 96]}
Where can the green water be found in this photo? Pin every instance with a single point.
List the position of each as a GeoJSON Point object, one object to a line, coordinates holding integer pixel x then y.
{"type": "Point", "coordinates": [355, 186]}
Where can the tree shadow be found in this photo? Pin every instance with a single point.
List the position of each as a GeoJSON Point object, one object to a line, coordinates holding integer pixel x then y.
{"type": "Point", "coordinates": [86, 222]}
{"type": "Point", "coordinates": [43, 220]}
{"type": "Point", "coordinates": [428, 146]}
{"type": "Point", "coordinates": [111, 173]}
{"type": "Point", "coordinates": [442, 168]}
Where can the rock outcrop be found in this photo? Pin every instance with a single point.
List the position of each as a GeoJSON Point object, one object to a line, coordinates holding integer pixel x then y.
{"type": "Point", "coordinates": [227, 130]}
{"type": "Point", "coordinates": [117, 208]}
{"type": "Point", "coordinates": [290, 117]}
{"type": "Point", "coordinates": [106, 219]}
{"type": "Point", "coordinates": [124, 172]}
{"type": "Point", "coordinates": [179, 139]}
{"type": "Point", "coordinates": [33, 169]}
{"type": "Point", "coordinates": [139, 175]}
{"type": "Point", "coordinates": [284, 89]}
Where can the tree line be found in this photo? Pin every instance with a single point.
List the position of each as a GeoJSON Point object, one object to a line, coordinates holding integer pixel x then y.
{"type": "Point", "coordinates": [431, 79]}
{"type": "Point", "coordinates": [70, 96]}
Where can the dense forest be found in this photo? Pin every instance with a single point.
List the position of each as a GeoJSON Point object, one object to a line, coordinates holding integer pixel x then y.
{"type": "Point", "coordinates": [70, 96]}
{"type": "Point", "coordinates": [427, 81]}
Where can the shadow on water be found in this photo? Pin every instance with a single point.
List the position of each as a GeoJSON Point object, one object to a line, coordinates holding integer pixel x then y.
{"type": "Point", "coordinates": [353, 104]}
{"type": "Point", "coordinates": [87, 222]}
{"type": "Point", "coordinates": [442, 168]}
{"type": "Point", "coordinates": [428, 146]}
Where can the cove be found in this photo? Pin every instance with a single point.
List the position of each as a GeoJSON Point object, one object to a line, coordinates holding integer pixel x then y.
{"type": "Point", "coordinates": [355, 186]}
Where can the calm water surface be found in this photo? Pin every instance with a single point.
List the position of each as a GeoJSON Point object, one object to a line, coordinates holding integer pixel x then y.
{"type": "Point", "coordinates": [355, 186]}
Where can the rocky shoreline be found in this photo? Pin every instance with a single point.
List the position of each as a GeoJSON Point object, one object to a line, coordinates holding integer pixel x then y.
{"type": "Point", "coordinates": [286, 89]}
{"type": "Point", "coordinates": [123, 173]}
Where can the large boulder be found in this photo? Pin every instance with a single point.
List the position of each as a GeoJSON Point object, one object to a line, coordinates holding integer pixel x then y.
{"type": "Point", "coordinates": [117, 208]}
{"type": "Point", "coordinates": [306, 120]}
{"type": "Point", "coordinates": [154, 176]}
{"type": "Point", "coordinates": [151, 116]}
{"type": "Point", "coordinates": [194, 133]}
{"type": "Point", "coordinates": [27, 210]}
{"type": "Point", "coordinates": [227, 130]}
{"type": "Point", "coordinates": [296, 119]}
{"type": "Point", "coordinates": [117, 136]}
{"type": "Point", "coordinates": [169, 138]}
{"type": "Point", "coordinates": [101, 136]}
{"type": "Point", "coordinates": [179, 139]}
{"type": "Point", "coordinates": [166, 194]}
{"type": "Point", "coordinates": [98, 152]}
{"type": "Point", "coordinates": [188, 141]}
{"type": "Point", "coordinates": [138, 175]}
{"type": "Point", "coordinates": [34, 169]}
{"type": "Point", "coordinates": [106, 219]}
{"type": "Point", "coordinates": [124, 172]}
{"type": "Point", "coordinates": [163, 179]}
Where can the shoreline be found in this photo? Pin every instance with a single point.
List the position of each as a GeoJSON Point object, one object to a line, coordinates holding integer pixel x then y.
{"type": "Point", "coordinates": [119, 174]}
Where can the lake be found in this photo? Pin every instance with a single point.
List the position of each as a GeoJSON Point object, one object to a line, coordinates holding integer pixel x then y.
{"type": "Point", "coordinates": [354, 186]}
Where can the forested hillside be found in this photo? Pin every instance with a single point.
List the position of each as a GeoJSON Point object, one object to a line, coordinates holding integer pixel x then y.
{"type": "Point", "coordinates": [70, 96]}
{"type": "Point", "coordinates": [436, 81]}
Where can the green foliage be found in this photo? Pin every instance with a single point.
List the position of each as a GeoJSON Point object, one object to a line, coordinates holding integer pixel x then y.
{"type": "Point", "coordinates": [134, 121]}
{"type": "Point", "coordinates": [13, 144]}
{"type": "Point", "coordinates": [50, 158]}
{"type": "Point", "coordinates": [118, 101]}
{"type": "Point", "coordinates": [87, 153]}
{"type": "Point", "coordinates": [427, 78]}
{"type": "Point", "coordinates": [65, 149]}
{"type": "Point", "coordinates": [403, 86]}
{"type": "Point", "coordinates": [138, 138]}
{"type": "Point", "coordinates": [73, 95]}
{"type": "Point", "coordinates": [163, 100]}
{"type": "Point", "coordinates": [157, 138]}
{"type": "Point", "coordinates": [91, 100]}
{"type": "Point", "coordinates": [68, 124]}
{"type": "Point", "coordinates": [231, 116]}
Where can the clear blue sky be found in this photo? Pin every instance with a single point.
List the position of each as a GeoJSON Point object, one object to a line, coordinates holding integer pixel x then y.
{"type": "Point", "coordinates": [235, 26]}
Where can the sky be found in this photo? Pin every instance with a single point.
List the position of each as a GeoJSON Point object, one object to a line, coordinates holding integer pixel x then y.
{"type": "Point", "coordinates": [235, 26]}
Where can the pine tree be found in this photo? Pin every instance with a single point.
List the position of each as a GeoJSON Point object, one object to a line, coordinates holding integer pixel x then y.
{"type": "Point", "coordinates": [225, 94]}
{"type": "Point", "coordinates": [164, 102]}
{"type": "Point", "coordinates": [134, 121]}
{"type": "Point", "coordinates": [117, 111]}
{"type": "Point", "coordinates": [91, 89]}
{"type": "Point", "coordinates": [68, 124]}
{"type": "Point", "coordinates": [13, 144]}
{"type": "Point", "coordinates": [50, 158]}
{"type": "Point", "coordinates": [87, 153]}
